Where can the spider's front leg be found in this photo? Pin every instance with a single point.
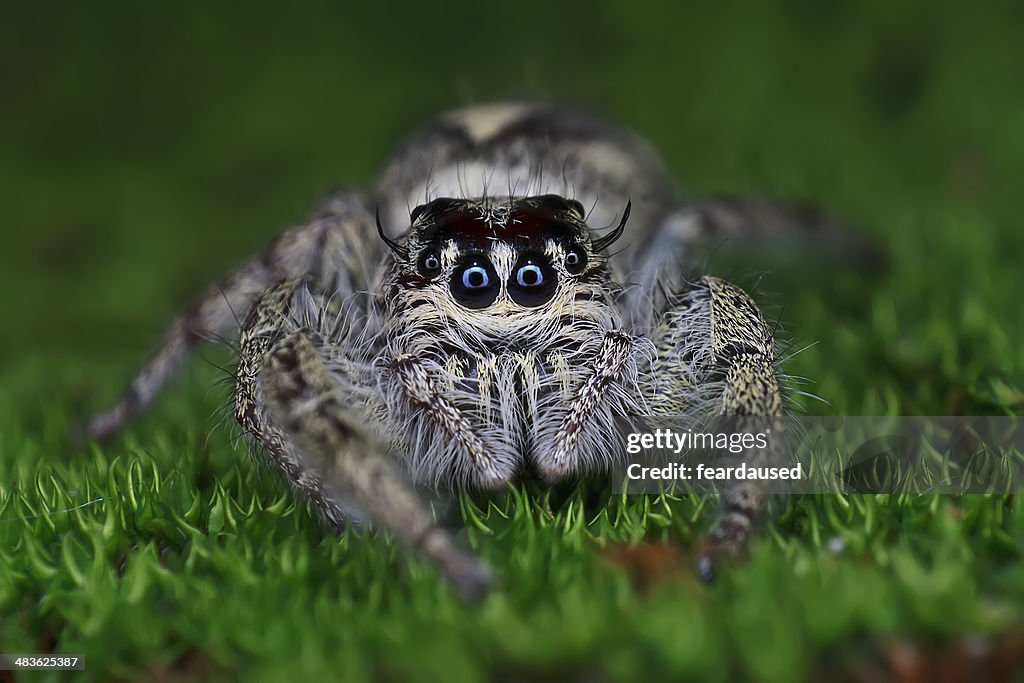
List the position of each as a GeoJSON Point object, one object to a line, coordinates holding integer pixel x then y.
{"type": "Point", "coordinates": [302, 412]}
{"type": "Point", "coordinates": [717, 357]}
{"type": "Point", "coordinates": [333, 246]}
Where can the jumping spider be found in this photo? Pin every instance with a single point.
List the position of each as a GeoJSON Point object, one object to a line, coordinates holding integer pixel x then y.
{"type": "Point", "coordinates": [495, 338]}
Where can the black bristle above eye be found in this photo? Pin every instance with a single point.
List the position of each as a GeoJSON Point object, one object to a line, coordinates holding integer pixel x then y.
{"type": "Point", "coordinates": [394, 246]}
{"type": "Point", "coordinates": [603, 243]}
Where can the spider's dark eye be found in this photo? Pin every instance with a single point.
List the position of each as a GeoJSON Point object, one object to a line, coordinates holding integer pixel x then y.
{"type": "Point", "coordinates": [474, 284]}
{"type": "Point", "coordinates": [475, 277]}
{"type": "Point", "coordinates": [430, 264]}
{"type": "Point", "coordinates": [575, 259]}
{"type": "Point", "coordinates": [533, 280]}
{"type": "Point", "coordinates": [530, 275]}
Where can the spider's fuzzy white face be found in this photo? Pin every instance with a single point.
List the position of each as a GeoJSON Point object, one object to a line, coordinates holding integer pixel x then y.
{"type": "Point", "coordinates": [509, 270]}
{"type": "Point", "coordinates": [496, 311]}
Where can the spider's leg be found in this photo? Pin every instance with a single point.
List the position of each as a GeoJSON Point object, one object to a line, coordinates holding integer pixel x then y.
{"type": "Point", "coordinates": [300, 412]}
{"type": "Point", "coordinates": [717, 357]}
{"type": "Point", "coordinates": [770, 224]}
{"type": "Point", "coordinates": [332, 245]}
{"type": "Point", "coordinates": [303, 398]}
{"type": "Point", "coordinates": [691, 232]}
{"type": "Point", "coordinates": [267, 322]}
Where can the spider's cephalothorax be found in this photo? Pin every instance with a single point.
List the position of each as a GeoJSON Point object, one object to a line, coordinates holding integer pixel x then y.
{"type": "Point", "coordinates": [496, 337]}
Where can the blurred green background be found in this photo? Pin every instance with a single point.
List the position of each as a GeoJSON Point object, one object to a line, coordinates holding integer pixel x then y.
{"type": "Point", "coordinates": [146, 148]}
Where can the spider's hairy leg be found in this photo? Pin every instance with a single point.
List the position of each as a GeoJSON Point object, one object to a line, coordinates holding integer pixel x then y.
{"type": "Point", "coordinates": [744, 353]}
{"type": "Point", "coordinates": [717, 356]}
{"type": "Point", "coordinates": [263, 326]}
{"type": "Point", "coordinates": [303, 398]}
{"type": "Point", "coordinates": [761, 224]}
{"type": "Point", "coordinates": [326, 245]}
{"type": "Point", "coordinates": [784, 226]}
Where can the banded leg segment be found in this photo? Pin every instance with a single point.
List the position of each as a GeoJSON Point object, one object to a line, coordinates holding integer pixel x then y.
{"type": "Point", "coordinates": [267, 322]}
{"type": "Point", "coordinates": [304, 400]}
{"type": "Point", "coordinates": [327, 243]}
{"type": "Point", "coordinates": [744, 357]}
{"type": "Point", "coordinates": [717, 357]}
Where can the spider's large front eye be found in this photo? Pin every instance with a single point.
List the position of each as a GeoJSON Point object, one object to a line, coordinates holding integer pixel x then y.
{"type": "Point", "coordinates": [576, 259]}
{"type": "Point", "coordinates": [429, 264]}
{"type": "Point", "coordinates": [533, 280]}
{"type": "Point", "coordinates": [475, 283]}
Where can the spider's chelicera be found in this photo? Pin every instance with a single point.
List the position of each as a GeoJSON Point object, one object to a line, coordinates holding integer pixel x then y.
{"type": "Point", "coordinates": [465, 324]}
